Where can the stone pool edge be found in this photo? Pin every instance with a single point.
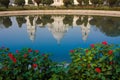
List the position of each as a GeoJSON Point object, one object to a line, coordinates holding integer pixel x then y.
{"type": "Point", "coordinates": [63, 12]}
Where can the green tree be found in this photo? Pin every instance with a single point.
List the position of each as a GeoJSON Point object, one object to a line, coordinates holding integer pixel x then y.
{"type": "Point", "coordinates": [95, 2]}
{"type": "Point", "coordinates": [38, 2]}
{"type": "Point", "coordinates": [68, 2]}
{"type": "Point", "coordinates": [80, 2]}
{"type": "Point", "coordinates": [118, 3]}
{"type": "Point", "coordinates": [5, 3]}
{"type": "Point", "coordinates": [86, 2]}
{"type": "Point", "coordinates": [20, 2]}
{"type": "Point", "coordinates": [47, 2]}
{"type": "Point", "coordinates": [111, 2]}
{"type": "Point", "coordinates": [30, 2]}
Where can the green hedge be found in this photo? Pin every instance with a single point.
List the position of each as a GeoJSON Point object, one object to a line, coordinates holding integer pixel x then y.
{"type": "Point", "coordinates": [14, 8]}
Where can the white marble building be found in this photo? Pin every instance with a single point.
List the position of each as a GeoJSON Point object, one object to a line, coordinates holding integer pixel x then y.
{"type": "Point", "coordinates": [56, 2]}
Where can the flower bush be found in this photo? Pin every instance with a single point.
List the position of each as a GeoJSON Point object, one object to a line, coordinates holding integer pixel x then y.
{"type": "Point", "coordinates": [98, 62]}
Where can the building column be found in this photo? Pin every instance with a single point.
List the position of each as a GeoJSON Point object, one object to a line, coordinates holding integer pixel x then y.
{"type": "Point", "coordinates": [26, 2]}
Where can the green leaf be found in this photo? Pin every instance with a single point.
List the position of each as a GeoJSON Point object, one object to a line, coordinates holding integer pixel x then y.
{"type": "Point", "coordinates": [1, 78]}
{"type": "Point", "coordinates": [108, 73]}
{"type": "Point", "coordinates": [102, 59]}
{"type": "Point", "coordinates": [103, 78]}
{"type": "Point", "coordinates": [111, 58]}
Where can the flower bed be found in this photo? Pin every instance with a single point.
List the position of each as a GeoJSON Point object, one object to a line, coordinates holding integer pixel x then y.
{"type": "Point", "coordinates": [98, 62]}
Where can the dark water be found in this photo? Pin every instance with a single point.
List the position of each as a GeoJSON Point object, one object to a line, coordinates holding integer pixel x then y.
{"type": "Point", "coordinates": [57, 34]}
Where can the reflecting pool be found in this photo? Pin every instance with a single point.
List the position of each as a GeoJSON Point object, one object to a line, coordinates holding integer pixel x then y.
{"type": "Point", "coordinates": [57, 34]}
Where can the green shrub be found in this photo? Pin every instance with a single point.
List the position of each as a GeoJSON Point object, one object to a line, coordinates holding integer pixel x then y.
{"type": "Point", "coordinates": [98, 62]}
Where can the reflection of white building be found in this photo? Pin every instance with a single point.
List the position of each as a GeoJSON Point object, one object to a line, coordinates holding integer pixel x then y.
{"type": "Point", "coordinates": [1, 24]}
{"type": "Point", "coordinates": [57, 28]}
{"type": "Point", "coordinates": [31, 27]}
{"type": "Point", "coordinates": [74, 20]}
{"type": "Point", "coordinates": [85, 30]}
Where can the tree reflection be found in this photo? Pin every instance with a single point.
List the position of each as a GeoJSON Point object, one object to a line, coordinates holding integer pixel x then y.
{"type": "Point", "coordinates": [39, 21]}
{"type": "Point", "coordinates": [31, 19]}
{"type": "Point", "coordinates": [46, 19]}
{"type": "Point", "coordinates": [20, 20]}
{"type": "Point", "coordinates": [82, 20]}
{"type": "Point", "coordinates": [108, 25]}
{"type": "Point", "coordinates": [7, 22]}
{"type": "Point", "coordinates": [68, 20]}
{"type": "Point", "coordinates": [79, 21]}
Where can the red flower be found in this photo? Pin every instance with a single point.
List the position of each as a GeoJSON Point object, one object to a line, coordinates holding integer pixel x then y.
{"type": "Point", "coordinates": [89, 65]}
{"type": "Point", "coordinates": [111, 63]}
{"type": "Point", "coordinates": [25, 55]}
{"type": "Point", "coordinates": [72, 51]}
{"type": "Point", "coordinates": [110, 52]}
{"type": "Point", "coordinates": [98, 70]}
{"type": "Point", "coordinates": [92, 45]}
{"type": "Point", "coordinates": [87, 51]}
{"type": "Point", "coordinates": [29, 50]}
{"type": "Point", "coordinates": [34, 59]}
{"type": "Point", "coordinates": [12, 57]}
{"type": "Point", "coordinates": [43, 54]}
{"type": "Point", "coordinates": [37, 51]}
{"type": "Point", "coordinates": [104, 42]}
{"type": "Point", "coordinates": [34, 65]}
{"type": "Point", "coordinates": [14, 60]}
{"type": "Point", "coordinates": [17, 51]}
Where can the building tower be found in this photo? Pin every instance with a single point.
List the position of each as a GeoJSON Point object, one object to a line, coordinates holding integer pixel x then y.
{"type": "Point", "coordinates": [31, 27]}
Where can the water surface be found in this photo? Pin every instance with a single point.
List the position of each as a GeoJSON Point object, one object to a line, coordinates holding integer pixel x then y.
{"type": "Point", "coordinates": [57, 34]}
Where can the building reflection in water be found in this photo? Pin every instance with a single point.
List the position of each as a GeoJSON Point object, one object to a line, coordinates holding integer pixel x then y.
{"type": "Point", "coordinates": [59, 25]}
